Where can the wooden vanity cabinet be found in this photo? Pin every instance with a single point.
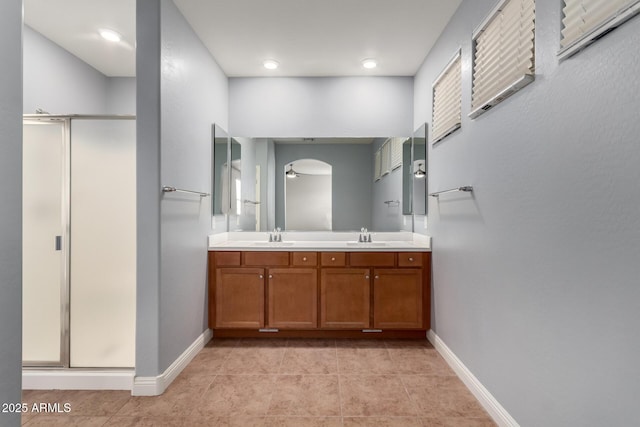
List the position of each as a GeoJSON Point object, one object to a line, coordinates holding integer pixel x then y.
{"type": "Point", "coordinates": [319, 293]}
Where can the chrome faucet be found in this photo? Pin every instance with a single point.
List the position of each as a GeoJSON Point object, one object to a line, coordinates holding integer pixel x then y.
{"type": "Point", "coordinates": [275, 235]}
{"type": "Point", "coordinates": [365, 236]}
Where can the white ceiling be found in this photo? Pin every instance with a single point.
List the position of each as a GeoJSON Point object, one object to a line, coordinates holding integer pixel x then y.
{"type": "Point", "coordinates": [307, 37]}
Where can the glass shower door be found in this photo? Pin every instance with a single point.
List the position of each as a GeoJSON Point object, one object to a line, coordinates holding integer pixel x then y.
{"type": "Point", "coordinates": [44, 235]}
{"type": "Point", "coordinates": [103, 243]}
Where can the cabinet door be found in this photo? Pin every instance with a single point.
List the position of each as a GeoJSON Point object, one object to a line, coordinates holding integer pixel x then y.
{"type": "Point", "coordinates": [239, 298]}
{"type": "Point", "coordinates": [293, 298]}
{"type": "Point", "coordinates": [345, 298]}
{"type": "Point", "coordinates": [397, 299]}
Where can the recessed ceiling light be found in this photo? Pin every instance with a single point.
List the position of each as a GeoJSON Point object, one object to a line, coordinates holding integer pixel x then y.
{"type": "Point", "coordinates": [369, 63]}
{"type": "Point", "coordinates": [110, 35]}
{"type": "Point", "coordinates": [270, 64]}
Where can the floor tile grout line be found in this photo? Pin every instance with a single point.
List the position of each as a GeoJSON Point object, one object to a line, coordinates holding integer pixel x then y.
{"type": "Point", "coordinates": [335, 351]}
{"type": "Point", "coordinates": [226, 358]}
{"type": "Point", "coordinates": [284, 353]}
{"type": "Point", "coordinates": [272, 391]}
{"type": "Point", "coordinates": [413, 402]}
{"type": "Point", "coordinates": [335, 348]}
{"type": "Point", "coordinates": [275, 379]}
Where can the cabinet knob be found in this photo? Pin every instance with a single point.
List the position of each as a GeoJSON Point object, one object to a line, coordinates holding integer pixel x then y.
{"type": "Point", "coordinates": [333, 258]}
{"type": "Point", "coordinates": [376, 277]}
{"type": "Point", "coordinates": [271, 276]}
{"type": "Point", "coordinates": [261, 276]}
{"type": "Point", "coordinates": [304, 258]}
{"type": "Point", "coordinates": [410, 259]}
{"type": "Point", "coordinates": [366, 277]}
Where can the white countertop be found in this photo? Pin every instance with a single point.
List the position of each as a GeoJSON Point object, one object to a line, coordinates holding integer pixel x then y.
{"type": "Point", "coordinates": [402, 241]}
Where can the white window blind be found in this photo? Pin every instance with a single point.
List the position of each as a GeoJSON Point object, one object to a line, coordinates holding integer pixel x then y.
{"type": "Point", "coordinates": [586, 20]}
{"type": "Point", "coordinates": [377, 166]}
{"type": "Point", "coordinates": [385, 158]}
{"type": "Point", "coordinates": [504, 54]}
{"type": "Point", "coordinates": [447, 100]}
{"type": "Point", "coordinates": [396, 152]}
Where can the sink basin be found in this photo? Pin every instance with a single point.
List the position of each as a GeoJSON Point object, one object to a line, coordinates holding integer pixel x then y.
{"type": "Point", "coordinates": [367, 244]}
{"type": "Point", "coordinates": [272, 244]}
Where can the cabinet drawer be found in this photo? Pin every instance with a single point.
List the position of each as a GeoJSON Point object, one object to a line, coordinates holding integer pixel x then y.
{"type": "Point", "coordinates": [337, 259]}
{"type": "Point", "coordinates": [266, 258]}
{"type": "Point", "coordinates": [372, 259]}
{"type": "Point", "coordinates": [226, 258]}
{"type": "Point", "coordinates": [304, 258]}
{"type": "Point", "coordinates": [410, 259]}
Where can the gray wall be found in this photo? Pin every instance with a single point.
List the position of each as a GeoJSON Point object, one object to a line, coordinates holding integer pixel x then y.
{"type": "Point", "coordinates": [324, 106]}
{"type": "Point", "coordinates": [147, 186]}
{"type": "Point", "coordinates": [352, 173]}
{"type": "Point", "coordinates": [11, 208]}
{"type": "Point", "coordinates": [60, 83]}
{"type": "Point", "coordinates": [536, 274]}
{"type": "Point", "coordinates": [121, 95]}
{"type": "Point", "coordinates": [181, 92]}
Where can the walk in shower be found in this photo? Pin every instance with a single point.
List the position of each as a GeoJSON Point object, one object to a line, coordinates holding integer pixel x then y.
{"type": "Point", "coordinates": [79, 241]}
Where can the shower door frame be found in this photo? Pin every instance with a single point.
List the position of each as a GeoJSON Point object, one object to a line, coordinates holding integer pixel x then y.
{"type": "Point", "coordinates": [66, 119]}
{"type": "Point", "coordinates": [65, 183]}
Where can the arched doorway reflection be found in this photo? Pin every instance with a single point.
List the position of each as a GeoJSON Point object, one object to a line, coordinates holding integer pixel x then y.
{"type": "Point", "coordinates": [308, 195]}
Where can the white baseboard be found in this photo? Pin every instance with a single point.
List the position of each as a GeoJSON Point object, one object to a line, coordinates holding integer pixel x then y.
{"type": "Point", "coordinates": [486, 399]}
{"type": "Point", "coordinates": [77, 379]}
{"type": "Point", "coordinates": [155, 386]}
{"type": "Point", "coordinates": [111, 379]}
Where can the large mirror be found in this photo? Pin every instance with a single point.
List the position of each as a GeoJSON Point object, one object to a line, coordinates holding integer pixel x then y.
{"type": "Point", "coordinates": [219, 150]}
{"type": "Point", "coordinates": [407, 177]}
{"type": "Point", "coordinates": [337, 184]}
{"type": "Point", "coordinates": [419, 171]}
{"type": "Point", "coordinates": [227, 178]}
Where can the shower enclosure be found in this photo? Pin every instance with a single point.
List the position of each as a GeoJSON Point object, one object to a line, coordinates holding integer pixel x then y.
{"type": "Point", "coordinates": [79, 241]}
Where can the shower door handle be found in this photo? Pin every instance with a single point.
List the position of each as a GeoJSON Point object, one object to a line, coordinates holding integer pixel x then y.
{"type": "Point", "coordinates": [58, 243]}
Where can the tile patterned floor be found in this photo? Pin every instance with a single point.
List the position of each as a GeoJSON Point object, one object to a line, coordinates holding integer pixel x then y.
{"type": "Point", "coordinates": [296, 383]}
